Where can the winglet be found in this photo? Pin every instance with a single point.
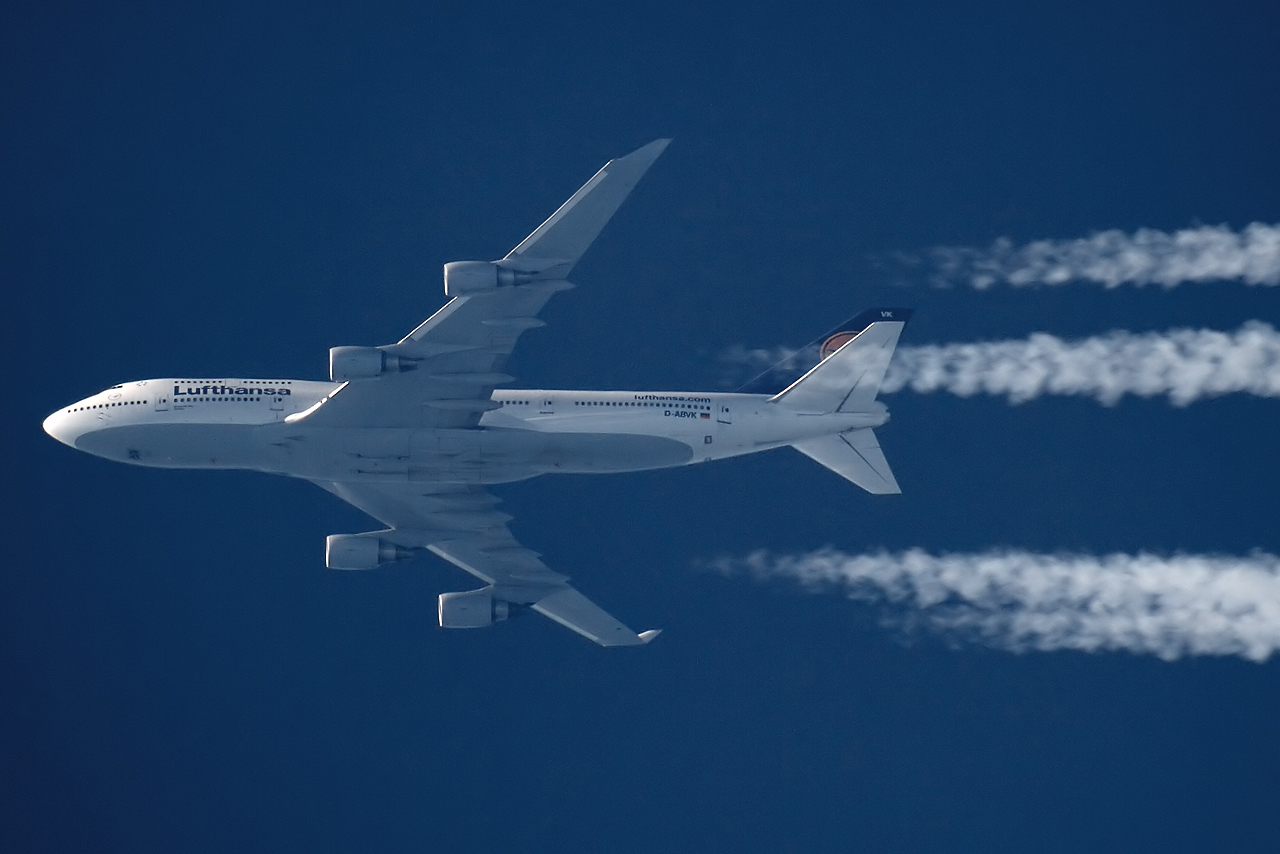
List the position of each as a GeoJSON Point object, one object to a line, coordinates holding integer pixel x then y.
{"type": "Point", "coordinates": [649, 635]}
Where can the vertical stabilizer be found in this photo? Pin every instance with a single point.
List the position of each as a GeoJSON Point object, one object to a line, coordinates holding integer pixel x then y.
{"type": "Point", "coordinates": [799, 363]}
{"type": "Point", "coordinates": [849, 379]}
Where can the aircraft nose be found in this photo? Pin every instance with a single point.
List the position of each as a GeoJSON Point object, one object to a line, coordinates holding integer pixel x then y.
{"type": "Point", "coordinates": [58, 425]}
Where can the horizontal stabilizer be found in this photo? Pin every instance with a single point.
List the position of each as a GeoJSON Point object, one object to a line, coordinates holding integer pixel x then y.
{"type": "Point", "coordinates": [856, 456]}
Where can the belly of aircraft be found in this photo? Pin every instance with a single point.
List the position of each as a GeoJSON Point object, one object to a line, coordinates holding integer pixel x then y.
{"type": "Point", "coordinates": [617, 452]}
{"type": "Point", "coordinates": [467, 456]}
{"type": "Point", "coordinates": [177, 445]}
{"type": "Point", "coordinates": [502, 455]}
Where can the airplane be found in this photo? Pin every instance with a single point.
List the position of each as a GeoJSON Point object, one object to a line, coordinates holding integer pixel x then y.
{"type": "Point", "coordinates": [413, 433]}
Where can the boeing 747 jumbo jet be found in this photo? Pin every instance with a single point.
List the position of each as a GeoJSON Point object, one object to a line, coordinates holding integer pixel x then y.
{"type": "Point", "coordinates": [413, 433]}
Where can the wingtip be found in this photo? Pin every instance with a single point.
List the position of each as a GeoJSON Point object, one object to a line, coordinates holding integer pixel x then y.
{"type": "Point", "coordinates": [650, 151]}
{"type": "Point", "coordinates": [645, 637]}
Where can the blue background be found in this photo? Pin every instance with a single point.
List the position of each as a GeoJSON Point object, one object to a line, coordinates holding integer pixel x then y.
{"type": "Point", "coordinates": [230, 192]}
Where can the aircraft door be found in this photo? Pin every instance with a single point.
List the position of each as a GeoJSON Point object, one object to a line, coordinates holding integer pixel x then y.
{"type": "Point", "coordinates": [161, 399]}
{"type": "Point", "coordinates": [546, 406]}
{"type": "Point", "coordinates": [722, 412]}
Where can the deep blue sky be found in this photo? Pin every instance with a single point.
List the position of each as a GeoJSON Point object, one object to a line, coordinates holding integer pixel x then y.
{"type": "Point", "coordinates": [233, 191]}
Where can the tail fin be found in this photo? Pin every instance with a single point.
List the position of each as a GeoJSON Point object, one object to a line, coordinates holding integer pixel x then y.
{"type": "Point", "coordinates": [799, 363]}
{"type": "Point", "coordinates": [855, 456]}
{"type": "Point", "coordinates": [848, 379]}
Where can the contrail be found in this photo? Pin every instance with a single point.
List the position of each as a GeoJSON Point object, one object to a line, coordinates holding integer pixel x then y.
{"type": "Point", "coordinates": [1165, 606]}
{"type": "Point", "coordinates": [1113, 258]}
{"type": "Point", "coordinates": [1185, 365]}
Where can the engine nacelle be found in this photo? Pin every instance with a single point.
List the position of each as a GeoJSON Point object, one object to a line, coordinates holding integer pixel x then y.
{"type": "Point", "coordinates": [352, 363]}
{"type": "Point", "coordinates": [473, 609]}
{"type": "Point", "coordinates": [469, 277]}
{"type": "Point", "coordinates": [352, 551]}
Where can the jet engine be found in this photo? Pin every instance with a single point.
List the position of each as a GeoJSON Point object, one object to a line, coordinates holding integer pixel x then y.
{"type": "Point", "coordinates": [351, 363]}
{"type": "Point", "coordinates": [473, 609]}
{"type": "Point", "coordinates": [357, 551]}
{"type": "Point", "coordinates": [469, 277]}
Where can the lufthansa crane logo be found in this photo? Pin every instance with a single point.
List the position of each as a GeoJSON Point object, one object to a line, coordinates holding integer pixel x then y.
{"type": "Point", "coordinates": [835, 342]}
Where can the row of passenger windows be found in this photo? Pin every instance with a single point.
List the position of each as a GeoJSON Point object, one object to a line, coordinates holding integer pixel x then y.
{"type": "Point", "coordinates": [107, 405]}
{"type": "Point", "coordinates": [261, 382]}
{"type": "Point", "coordinates": [184, 400]}
{"type": "Point", "coordinates": [640, 403]}
{"type": "Point", "coordinates": [217, 400]}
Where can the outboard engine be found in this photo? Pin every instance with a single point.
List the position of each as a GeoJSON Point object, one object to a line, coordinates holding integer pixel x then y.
{"type": "Point", "coordinates": [473, 609]}
{"type": "Point", "coordinates": [361, 551]}
{"type": "Point", "coordinates": [469, 277]}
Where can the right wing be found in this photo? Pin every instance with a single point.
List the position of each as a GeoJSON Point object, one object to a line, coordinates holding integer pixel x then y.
{"type": "Point", "coordinates": [459, 523]}
{"type": "Point", "coordinates": [442, 374]}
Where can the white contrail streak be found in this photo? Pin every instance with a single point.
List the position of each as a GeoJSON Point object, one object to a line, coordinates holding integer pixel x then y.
{"type": "Point", "coordinates": [1164, 606]}
{"type": "Point", "coordinates": [1113, 258]}
{"type": "Point", "coordinates": [1185, 365]}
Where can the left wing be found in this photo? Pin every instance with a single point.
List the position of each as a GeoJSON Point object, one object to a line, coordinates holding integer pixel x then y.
{"type": "Point", "coordinates": [458, 522]}
{"type": "Point", "coordinates": [443, 373]}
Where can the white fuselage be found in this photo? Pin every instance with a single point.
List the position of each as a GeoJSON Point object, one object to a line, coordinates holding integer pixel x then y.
{"type": "Point", "coordinates": [260, 425]}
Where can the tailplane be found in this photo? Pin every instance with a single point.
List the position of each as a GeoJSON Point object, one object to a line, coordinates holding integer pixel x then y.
{"type": "Point", "coordinates": [855, 455]}
{"type": "Point", "coordinates": [851, 366]}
